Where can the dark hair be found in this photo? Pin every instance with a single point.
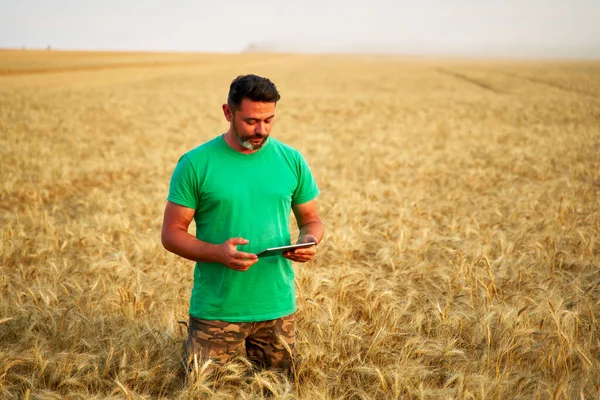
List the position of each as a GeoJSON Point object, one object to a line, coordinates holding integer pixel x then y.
{"type": "Point", "coordinates": [252, 87]}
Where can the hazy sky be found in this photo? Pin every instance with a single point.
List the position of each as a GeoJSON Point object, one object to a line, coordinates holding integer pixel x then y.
{"type": "Point", "coordinates": [527, 27]}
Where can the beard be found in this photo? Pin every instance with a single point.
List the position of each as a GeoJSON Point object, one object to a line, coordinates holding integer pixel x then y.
{"type": "Point", "coordinates": [246, 140]}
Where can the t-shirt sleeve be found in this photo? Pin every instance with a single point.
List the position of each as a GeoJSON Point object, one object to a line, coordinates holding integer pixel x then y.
{"type": "Point", "coordinates": [307, 188]}
{"type": "Point", "coordinates": [183, 189]}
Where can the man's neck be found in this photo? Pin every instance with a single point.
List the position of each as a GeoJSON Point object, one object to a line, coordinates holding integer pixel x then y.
{"type": "Point", "coordinates": [232, 141]}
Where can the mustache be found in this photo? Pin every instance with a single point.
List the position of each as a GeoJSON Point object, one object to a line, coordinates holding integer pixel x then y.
{"type": "Point", "coordinates": [257, 136]}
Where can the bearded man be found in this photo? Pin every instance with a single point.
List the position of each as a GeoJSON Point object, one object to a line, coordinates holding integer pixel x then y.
{"type": "Point", "coordinates": [240, 188]}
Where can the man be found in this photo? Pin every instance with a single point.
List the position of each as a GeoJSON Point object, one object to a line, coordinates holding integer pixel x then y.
{"type": "Point", "coordinates": [240, 188]}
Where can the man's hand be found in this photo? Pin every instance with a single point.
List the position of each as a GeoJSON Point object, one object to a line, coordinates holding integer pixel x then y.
{"type": "Point", "coordinates": [234, 259]}
{"type": "Point", "coordinates": [305, 254]}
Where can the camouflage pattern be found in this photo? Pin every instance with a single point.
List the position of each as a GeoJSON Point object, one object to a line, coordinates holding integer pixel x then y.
{"type": "Point", "coordinates": [266, 343]}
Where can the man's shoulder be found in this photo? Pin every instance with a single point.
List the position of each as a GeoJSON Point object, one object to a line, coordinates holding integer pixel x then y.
{"type": "Point", "coordinates": [285, 148]}
{"type": "Point", "coordinates": [203, 149]}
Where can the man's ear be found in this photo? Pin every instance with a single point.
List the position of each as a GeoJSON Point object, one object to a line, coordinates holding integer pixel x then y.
{"type": "Point", "coordinates": [227, 112]}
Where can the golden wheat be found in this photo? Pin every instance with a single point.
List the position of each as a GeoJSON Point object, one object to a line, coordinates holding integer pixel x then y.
{"type": "Point", "coordinates": [461, 202]}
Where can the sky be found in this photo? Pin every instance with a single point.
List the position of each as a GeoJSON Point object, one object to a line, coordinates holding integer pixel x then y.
{"type": "Point", "coordinates": [537, 28]}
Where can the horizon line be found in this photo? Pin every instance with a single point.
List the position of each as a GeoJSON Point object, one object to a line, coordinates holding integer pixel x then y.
{"type": "Point", "coordinates": [409, 54]}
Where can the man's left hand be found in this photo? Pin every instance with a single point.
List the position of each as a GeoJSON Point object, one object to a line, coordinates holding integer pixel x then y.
{"type": "Point", "coordinates": [305, 254]}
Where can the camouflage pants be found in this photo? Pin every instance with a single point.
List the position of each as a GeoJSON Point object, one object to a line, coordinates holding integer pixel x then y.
{"type": "Point", "coordinates": [266, 343]}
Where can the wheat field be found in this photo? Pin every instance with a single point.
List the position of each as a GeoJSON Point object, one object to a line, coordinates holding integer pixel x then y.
{"type": "Point", "coordinates": [461, 202]}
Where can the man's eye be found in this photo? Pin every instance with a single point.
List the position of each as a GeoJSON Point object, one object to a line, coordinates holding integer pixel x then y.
{"type": "Point", "coordinates": [251, 122]}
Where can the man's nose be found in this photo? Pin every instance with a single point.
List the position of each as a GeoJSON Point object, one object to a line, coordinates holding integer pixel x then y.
{"type": "Point", "coordinates": [260, 128]}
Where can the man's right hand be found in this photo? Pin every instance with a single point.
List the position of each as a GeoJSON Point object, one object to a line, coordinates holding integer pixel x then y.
{"type": "Point", "coordinates": [234, 259]}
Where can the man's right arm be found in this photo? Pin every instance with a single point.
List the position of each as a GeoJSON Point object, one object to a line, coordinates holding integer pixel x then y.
{"type": "Point", "coordinates": [176, 238]}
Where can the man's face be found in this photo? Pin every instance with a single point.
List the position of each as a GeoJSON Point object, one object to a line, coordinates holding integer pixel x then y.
{"type": "Point", "coordinates": [252, 123]}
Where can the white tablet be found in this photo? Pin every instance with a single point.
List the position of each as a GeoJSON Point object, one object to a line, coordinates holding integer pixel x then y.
{"type": "Point", "coordinates": [274, 251]}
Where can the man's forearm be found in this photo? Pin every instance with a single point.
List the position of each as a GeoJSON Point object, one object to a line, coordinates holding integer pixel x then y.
{"type": "Point", "coordinates": [314, 228]}
{"type": "Point", "coordinates": [185, 245]}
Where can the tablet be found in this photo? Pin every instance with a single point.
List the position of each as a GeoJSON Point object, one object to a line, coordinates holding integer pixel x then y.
{"type": "Point", "coordinates": [274, 251]}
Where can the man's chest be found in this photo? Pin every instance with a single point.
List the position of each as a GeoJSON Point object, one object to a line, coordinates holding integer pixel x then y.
{"type": "Point", "coordinates": [265, 184]}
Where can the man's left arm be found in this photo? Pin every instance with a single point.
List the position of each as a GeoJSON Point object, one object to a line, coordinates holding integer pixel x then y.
{"type": "Point", "coordinates": [311, 230]}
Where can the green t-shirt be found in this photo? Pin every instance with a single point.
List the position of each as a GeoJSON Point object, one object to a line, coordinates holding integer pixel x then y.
{"type": "Point", "coordinates": [249, 196]}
